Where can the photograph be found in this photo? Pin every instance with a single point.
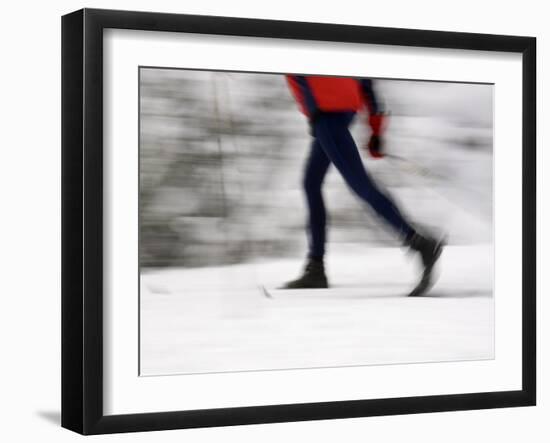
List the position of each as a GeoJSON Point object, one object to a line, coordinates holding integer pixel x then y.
{"type": "Point", "coordinates": [299, 221]}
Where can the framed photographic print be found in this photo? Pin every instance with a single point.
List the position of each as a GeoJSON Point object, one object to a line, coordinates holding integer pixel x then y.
{"type": "Point", "coordinates": [268, 221]}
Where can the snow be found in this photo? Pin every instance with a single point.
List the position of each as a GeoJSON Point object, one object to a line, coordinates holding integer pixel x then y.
{"type": "Point", "coordinates": [216, 319]}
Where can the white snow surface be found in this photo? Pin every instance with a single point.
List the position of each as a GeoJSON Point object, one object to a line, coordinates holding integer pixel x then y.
{"type": "Point", "coordinates": [217, 319]}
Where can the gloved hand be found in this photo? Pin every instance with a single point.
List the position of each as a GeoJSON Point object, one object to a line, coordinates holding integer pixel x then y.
{"type": "Point", "coordinates": [375, 146]}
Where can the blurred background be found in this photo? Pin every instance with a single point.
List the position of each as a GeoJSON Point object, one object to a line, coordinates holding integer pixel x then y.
{"type": "Point", "coordinates": [222, 156]}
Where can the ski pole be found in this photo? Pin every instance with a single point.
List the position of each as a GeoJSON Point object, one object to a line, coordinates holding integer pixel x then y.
{"type": "Point", "coordinates": [412, 166]}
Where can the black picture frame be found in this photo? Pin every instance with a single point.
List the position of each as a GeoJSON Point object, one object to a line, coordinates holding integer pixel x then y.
{"type": "Point", "coordinates": [82, 220]}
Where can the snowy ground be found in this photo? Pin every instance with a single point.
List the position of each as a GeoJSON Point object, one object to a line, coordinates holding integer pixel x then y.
{"type": "Point", "coordinates": [216, 319]}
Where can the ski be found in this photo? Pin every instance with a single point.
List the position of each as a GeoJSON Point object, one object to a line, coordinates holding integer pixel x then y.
{"type": "Point", "coordinates": [334, 293]}
{"type": "Point", "coordinates": [423, 286]}
{"type": "Point", "coordinates": [265, 292]}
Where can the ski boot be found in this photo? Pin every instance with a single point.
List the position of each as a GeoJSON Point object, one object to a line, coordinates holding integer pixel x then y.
{"type": "Point", "coordinates": [430, 250]}
{"type": "Point", "coordinates": [313, 277]}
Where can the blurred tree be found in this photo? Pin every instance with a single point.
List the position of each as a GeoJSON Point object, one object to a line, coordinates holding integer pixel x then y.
{"type": "Point", "coordinates": [221, 158]}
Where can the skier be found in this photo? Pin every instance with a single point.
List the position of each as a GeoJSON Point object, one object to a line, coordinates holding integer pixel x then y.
{"type": "Point", "coordinates": [330, 105]}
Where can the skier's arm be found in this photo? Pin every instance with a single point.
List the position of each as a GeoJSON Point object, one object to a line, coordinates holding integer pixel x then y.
{"type": "Point", "coordinates": [376, 118]}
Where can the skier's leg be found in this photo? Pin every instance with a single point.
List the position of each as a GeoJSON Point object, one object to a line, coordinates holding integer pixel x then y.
{"type": "Point", "coordinates": [316, 168]}
{"type": "Point", "coordinates": [331, 129]}
{"type": "Point", "coordinates": [314, 174]}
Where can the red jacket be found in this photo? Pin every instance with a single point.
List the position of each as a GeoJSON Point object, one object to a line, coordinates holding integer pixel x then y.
{"type": "Point", "coordinates": [317, 93]}
{"type": "Point", "coordinates": [329, 93]}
